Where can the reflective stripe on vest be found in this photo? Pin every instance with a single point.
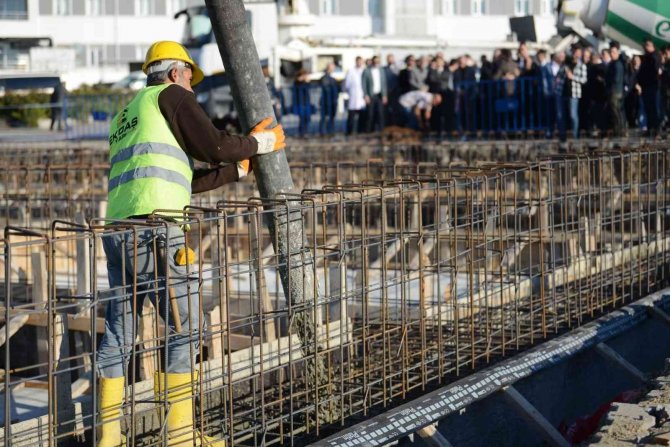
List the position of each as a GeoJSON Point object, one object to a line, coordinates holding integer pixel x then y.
{"type": "Point", "coordinates": [149, 170]}
{"type": "Point", "coordinates": [150, 148]}
{"type": "Point", "coordinates": [137, 150]}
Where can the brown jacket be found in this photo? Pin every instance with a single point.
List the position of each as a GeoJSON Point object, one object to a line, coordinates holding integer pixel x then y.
{"type": "Point", "coordinates": [202, 141]}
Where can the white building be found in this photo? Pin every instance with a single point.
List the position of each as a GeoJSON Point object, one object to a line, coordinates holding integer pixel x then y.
{"type": "Point", "coordinates": [476, 20]}
{"type": "Point", "coordinates": [103, 35]}
{"type": "Point", "coordinates": [460, 25]}
{"type": "Point", "coordinates": [97, 40]}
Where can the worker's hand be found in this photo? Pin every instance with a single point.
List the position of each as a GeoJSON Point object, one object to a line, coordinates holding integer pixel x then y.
{"type": "Point", "coordinates": [243, 168]}
{"type": "Point", "coordinates": [269, 140]}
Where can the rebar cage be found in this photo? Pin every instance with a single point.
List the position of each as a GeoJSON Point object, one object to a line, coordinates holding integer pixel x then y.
{"type": "Point", "coordinates": [408, 275]}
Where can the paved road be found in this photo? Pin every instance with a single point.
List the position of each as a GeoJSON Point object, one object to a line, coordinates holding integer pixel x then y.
{"type": "Point", "coordinates": [26, 135]}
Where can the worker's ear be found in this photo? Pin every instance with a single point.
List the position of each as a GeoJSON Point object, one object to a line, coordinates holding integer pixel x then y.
{"type": "Point", "coordinates": [173, 74]}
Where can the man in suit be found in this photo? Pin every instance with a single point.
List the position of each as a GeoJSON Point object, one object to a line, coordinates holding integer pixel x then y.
{"type": "Point", "coordinates": [441, 80]}
{"type": "Point", "coordinates": [330, 91]}
{"type": "Point", "coordinates": [376, 94]}
{"type": "Point", "coordinates": [614, 82]}
{"type": "Point", "coordinates": [405, 75]}
{"type": "Point", "coordinates": [648, 79]}
{"type": "Point", "coordinates": [547, 69]}
{"type": "Point", "coordinates": [392, 71]}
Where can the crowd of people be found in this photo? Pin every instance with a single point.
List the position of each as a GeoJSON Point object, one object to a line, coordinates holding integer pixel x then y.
{"type": "Point", "coordinates": [580, 92]}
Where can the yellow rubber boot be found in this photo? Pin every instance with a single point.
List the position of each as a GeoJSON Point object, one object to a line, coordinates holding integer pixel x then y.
{"type": "Point", "coordinates": [110, 401]}
{"type": "Point", "coordinates": [181, 432]}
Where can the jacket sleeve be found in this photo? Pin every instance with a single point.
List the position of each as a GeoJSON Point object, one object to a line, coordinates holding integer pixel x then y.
{"type": "Point", "coordinates": [414, 80]}
{"type": "Point", "coordinates": [213, 178]}
{"type": "Point", "coordinates": [195, 132]}
{"type": "Point", "coordinates": [581, 75]}
{"type": "Point", "coordinates": [621, 74]}
{"type": "Point", "coordinates": [545, 79]}
{"type": "Point", "coordinates": [366, 78]}
{"type": "Point", "coordinates": [346, 85]}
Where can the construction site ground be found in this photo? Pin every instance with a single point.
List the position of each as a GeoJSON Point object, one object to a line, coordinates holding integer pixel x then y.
{"type": "Point", "coordinates": [644, 422]}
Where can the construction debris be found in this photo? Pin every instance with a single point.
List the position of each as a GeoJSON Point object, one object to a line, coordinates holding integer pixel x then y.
{"type": "Point", "coordinates": [641, 423]}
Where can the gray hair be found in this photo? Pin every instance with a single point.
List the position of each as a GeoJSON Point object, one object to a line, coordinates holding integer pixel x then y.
{"type": "Point", "coordinates": [157, 73]}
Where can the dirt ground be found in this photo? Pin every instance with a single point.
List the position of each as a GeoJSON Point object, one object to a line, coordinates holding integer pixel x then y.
{"type": "Point", "coordinates": [643, 423]}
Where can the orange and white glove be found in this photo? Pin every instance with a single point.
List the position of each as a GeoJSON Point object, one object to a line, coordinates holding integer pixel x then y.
{"type": "Point", "coordinates": [269, 140]}
{"type": "Point", "coordinates": [243, 168]}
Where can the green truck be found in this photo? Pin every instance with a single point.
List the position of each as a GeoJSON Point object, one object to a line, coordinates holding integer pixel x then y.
{"type": "Point", "coordinates": [628, 21]}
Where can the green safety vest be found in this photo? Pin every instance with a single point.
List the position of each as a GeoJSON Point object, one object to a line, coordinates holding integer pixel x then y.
{"type": "Point", "coordinates": [149, 169]}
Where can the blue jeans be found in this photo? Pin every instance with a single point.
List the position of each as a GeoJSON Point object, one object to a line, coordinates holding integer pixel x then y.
{"type": "Point", "coordinates": [574, 116]}
{"type": "Point", "coordinates": [650, 102]}
{"type": "Point", "coordinates": [327, 123]}
{"type": "Point", "coordinates": [548, 114]}
{"type": "Point", "coordinates": [410, 118]}
{"type": "Point", "coordinates": [145, 268]}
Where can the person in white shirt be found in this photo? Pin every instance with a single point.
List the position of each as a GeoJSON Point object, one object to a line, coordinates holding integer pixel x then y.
{"type": "Point", "coordinates": [376, 94]}
{"type": "Point", "coordinates": [353, 86]}
{"type": "Point", "coordinates": [418, 105]}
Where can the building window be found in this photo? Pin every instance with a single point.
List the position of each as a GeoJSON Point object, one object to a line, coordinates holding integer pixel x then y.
{"type": "Point", "coordinates": [445, 7]}
{"type": "Point", "coordinates": [479, 7]}
{"type": "Point", "coordinates": [13, 10]}
{"type": "Point", "coordinates": [79, 55]}
{"type": "Point", "coordinates": [375, 8]}
{"type": "Point", "coordinates": [410, 8]}
{"type": "Point", "coordinates": [145, 7]}
{"type": "Point", "coordinates": [548, 7]}
{"type": "Point", "coordinates": [328, 7]}
{"type": "Point", "coordinates": [111, 54]}
{"type": "Point", "coordinates": [521, 7]}
{"type": "Point", "coordinates": [95, 55]}
{"type": "Point", "coordinates": [448, 7]}
{"type": "Point", "coordinates": [95, 7]}
{"type": "Point", "coordinates": [63, 7]}
{"type": "Point", "coordinates": [141, 52]}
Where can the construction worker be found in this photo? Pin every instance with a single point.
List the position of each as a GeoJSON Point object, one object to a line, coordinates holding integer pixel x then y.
{"type": "Point", "coordinates": [153, 142]}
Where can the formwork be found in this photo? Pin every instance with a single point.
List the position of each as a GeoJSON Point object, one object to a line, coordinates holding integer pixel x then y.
{"type": "Point", "coordinates": [431, 261]}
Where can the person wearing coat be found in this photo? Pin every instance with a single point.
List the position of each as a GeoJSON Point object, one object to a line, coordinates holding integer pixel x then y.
{"type": "Point", "coordinates": [376, 94]}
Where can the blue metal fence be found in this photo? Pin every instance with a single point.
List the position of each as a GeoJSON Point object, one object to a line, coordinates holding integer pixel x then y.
{"type": "Point", "coordinates": [483, 107]}
{"type": "Point", "coordinates": [518, 105]}
{"type": "Point", "coordinates": [90, 116]}
{"type": "Point", "coordinates": [486, 107]}
{"type": "Point", "coordinates": [310, 109]}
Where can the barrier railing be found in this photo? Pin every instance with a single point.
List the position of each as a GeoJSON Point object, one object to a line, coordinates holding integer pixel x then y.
{"type": "Point", "coordinates": [517, 105]}
{"type": "Point", "coordinates": [90, 116]}
{"type": "Point", "coordinates": [477, 107]}
{"type": "Point", "coordinates": [482, 108]}
{"type": "Point", "coordinates": [35, 115]}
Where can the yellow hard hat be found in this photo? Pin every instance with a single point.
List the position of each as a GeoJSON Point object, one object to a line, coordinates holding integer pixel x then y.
{"type": "Point", "coordinates": [166, 49]}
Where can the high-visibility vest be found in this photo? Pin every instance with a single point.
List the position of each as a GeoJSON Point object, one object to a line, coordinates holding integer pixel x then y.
{"type": "Point", "coordinates": [149, 169]}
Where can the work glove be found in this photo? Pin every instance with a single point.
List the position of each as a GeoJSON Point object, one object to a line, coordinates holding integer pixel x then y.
{"type": "Point", "coordinates": [269, 140]}
{"type": "Point", "coordinates": [243, 168]}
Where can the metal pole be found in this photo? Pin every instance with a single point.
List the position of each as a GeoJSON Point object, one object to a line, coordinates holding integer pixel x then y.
{"type": "Point", "coordinates": [273, 176]}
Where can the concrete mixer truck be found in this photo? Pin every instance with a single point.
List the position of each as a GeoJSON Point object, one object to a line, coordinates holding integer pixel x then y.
{"type": "Point", "coordinates": [628, 21]}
